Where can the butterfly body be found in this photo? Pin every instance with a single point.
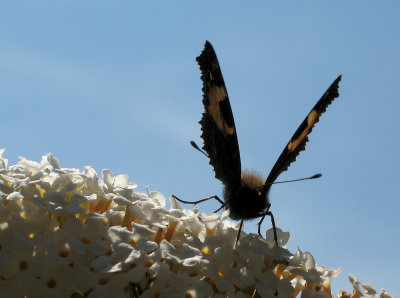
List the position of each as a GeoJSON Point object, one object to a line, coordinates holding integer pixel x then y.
{"type": "Point", "coordinates": [245, 193]}
{"type": "Point", "coordinates": [249, 190]}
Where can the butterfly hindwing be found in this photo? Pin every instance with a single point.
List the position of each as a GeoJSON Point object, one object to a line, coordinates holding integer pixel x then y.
{"type": "Point", "coordinates": [298, 141]}
{"type": "Point", "coordinates": [217, 123]}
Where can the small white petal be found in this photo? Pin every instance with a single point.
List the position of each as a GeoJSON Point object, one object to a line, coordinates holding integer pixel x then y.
{"type": "Point", "coordinates": [174, 203]}
{"type": "Point", "coordinates": [16, 195]}
{"type": "Point", "coordinates": [158, 197]}
{"type": "Point", "coordinates": [3, 161]}
{"type": "Point", "coordinates": [285, 289]}
{"type": "Point", "coordinates": [108, 178]}
{"type": "Point", "coordinates": [52, 160]}
{"type": "Point", "coordinates": [384, 294]}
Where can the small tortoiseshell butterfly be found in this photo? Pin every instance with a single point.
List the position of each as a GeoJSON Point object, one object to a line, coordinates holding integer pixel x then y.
{"type": "Point", "coordinates": [245, 194]}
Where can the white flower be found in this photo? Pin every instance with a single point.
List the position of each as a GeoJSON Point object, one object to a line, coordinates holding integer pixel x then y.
{"type": "Point", "coordinates": [3, 161]}
{"type": "Point", "coordinates": [91, 182]}
{"type": "Point", "coordinates": [119, 183]}
{"type": "Point", "coordinates": [307, 293]}
{"type": "Point", "coordinates": [285, 289]}
{"type": "Point", "coordinates": [52, 161]}
{"type": "Point", "coordinates": [384, 294]}
{"type": "Point", "coordinates": [328, 276]}
{"type": "Point", "coordinates": [16, 195]}
{"type": "Point", "coordinates": [157, 197]}
{"type": "Point", "coordinates": [16, 252]}
{"type": "Point", "coordinates": [27, 167]}
{"type": "Point", "coordinates": [362, 289]}
{"type": "Point", "coordinates": [283, 237]}
{"type": "Point", "coordinates": [64, 232]}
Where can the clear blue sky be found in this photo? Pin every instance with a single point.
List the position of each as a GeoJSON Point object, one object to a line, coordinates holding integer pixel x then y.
{"type": "Point", "coordinates": [115, 85]}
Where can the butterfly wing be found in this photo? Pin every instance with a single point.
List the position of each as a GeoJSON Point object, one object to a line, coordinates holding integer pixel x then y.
{"type": "Point", "coordinates": [298, 141]}
{"type": "Point", "coordinates": [217, 124]}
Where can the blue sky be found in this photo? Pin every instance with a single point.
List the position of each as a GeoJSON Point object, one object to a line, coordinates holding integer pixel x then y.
{"type": "Point", "coordinates": [115, 85]}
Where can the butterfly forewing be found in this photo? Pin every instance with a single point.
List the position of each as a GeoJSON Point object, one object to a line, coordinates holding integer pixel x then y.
{"type": "Point", "coordinates": [299, 139]}
{"type": "Point", "coordinates": [243, 196]}
{"type": "Point", "coordinates": [217, 124]}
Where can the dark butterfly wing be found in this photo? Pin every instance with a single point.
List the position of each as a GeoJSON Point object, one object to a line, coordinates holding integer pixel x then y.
{"type": "Point", "coordinates": [217, 124]}
{"type": "Point", "coordinates": [298, 141]}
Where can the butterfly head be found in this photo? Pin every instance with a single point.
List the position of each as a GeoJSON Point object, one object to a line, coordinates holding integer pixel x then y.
{"type": "Point", "coordinates": [246, 200]}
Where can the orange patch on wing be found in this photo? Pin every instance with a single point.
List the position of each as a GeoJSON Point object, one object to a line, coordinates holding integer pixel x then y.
{"type": "Point", "coordinates": [312, 118]}
{"type": "Point", "coordinates": [216, 95]}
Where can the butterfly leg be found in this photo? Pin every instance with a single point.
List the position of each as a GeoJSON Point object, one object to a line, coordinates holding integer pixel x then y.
{"type": "Point", "coordinates": [269, 213]}
{"type": "Point", "coordinates": [199, 201]}
{"type": "Point", "coordinates": [223, 204]}
{"type": "Point", "coordinates": [259, 225]}
{"type": "Point", "coordinates": [240, 229]}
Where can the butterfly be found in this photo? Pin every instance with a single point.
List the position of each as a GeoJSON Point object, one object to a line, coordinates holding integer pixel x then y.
{"type": "Point", "coordinates": [245, 193]}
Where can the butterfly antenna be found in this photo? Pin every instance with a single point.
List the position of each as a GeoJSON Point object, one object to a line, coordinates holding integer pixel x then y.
{"type": "Point", "coordinates": [198, 148]}
{"type": "Point", "coordinates": [294, 180]}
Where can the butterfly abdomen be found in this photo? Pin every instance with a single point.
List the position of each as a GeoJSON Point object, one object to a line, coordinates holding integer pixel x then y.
{"type": "Point", "coordinates": [246, 200]}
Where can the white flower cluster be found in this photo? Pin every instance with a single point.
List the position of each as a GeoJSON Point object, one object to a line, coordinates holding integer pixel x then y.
{"type": "Point", "coordinates": [66, 233]}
